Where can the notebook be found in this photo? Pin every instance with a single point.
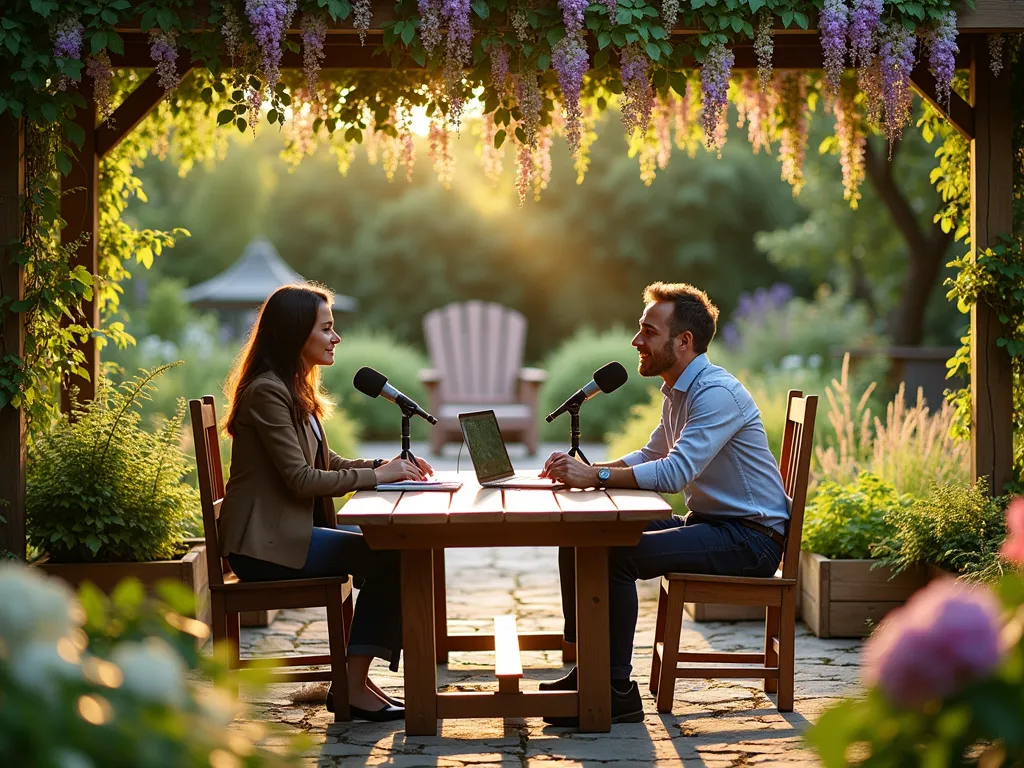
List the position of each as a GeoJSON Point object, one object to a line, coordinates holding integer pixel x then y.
{"type": "Point", "coordinates": [490, 457]}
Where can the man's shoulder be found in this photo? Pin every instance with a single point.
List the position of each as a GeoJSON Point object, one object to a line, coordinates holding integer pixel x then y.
{"type": "Point", "coordinates": [715, 376]}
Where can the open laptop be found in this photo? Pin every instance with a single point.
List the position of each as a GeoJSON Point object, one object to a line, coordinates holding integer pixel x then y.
{"type": "Point", "coordinates": [490, 457]}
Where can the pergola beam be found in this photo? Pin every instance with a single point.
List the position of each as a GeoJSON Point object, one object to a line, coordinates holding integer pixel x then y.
{"type": "Point", "coordinates": [992, 164]}
{"type": "Point", "coordinates": [130, 113]}
{"type": "Point", "coordinates": [959, 113]}
{"type": "Point", "coordinates": [12, 333]}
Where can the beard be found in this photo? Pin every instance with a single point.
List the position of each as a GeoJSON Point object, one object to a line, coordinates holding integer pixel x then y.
{"type": "Point", "coordinates": [658, 362]}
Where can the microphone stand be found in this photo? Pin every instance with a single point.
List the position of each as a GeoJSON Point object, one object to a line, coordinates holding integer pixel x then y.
{"type": "Point", "coordinates": [574, 433]}
{"type": "Point", "coordinates": [407, 415]}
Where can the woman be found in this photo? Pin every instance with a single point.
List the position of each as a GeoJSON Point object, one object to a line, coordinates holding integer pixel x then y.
{"type": "Point", "coordinates": [277, 519]}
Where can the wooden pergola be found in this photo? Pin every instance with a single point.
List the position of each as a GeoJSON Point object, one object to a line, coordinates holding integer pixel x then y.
{"type": "Point", "coordinates": [986, 121]}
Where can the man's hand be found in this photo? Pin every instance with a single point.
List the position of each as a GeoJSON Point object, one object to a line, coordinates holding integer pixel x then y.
{"type": "Point", "coordinates": [569, 470]}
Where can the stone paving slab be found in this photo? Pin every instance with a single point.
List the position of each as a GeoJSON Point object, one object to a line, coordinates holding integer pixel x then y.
{"type": "Point", "coordinates": [713, 723]}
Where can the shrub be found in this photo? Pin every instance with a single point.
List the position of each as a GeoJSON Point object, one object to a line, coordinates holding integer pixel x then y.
{"type": "Point", "coordinates": [377, 419]}
{"type": "Point", "coordinates": [572, 365]}
{"type": "Point", "coordinates": [99, 488]}
{"type": "Point", "coordinates": [912, 448]}
{"type": "Point", "coordinates": [958, 527]}
{"type": "Point", "coordinates": [845, 521]}
{"type": "Point", "coordinates": [105, 682]}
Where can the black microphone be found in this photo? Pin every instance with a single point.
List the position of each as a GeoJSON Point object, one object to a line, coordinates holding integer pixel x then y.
{"type": "Point", "coordinates": [607, 379]}
{"type": "Point", "coordinates": [373, 383]}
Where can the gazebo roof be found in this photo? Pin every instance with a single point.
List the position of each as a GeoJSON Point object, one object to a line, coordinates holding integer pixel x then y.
{"type": "Point", "coordinates": [250, 280]}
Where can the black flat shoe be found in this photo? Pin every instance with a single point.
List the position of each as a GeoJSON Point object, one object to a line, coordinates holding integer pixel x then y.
{"type": "Point", "coordinates": [568, 683]}
{"type": "Point", "coordinates": [383, 715]}
{"type": "Point", "coordinates": [329, 704]}
{"type": "Point", "coordinates": [627, 707]}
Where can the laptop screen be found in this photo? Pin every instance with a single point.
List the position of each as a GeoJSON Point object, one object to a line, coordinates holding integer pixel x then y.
{"type": "Point", "coordinates": [486, 448]}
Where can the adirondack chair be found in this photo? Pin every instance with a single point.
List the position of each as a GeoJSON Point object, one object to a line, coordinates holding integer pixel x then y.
{"type": "Point", "coordinates": [476, 349]}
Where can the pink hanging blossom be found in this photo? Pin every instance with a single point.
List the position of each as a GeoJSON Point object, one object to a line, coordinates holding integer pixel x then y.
{"type": "Point", "coordinates": [440, 138]}
{"type": "Point", "coordinates": [98, 68]}
{"type": "Point", "coordinates": [491, 157]}
{"type": "Point", "coordinates": [764, 47]}
{"type": "Point", "coordinates": [942, 50]}
{"type": "Point", "coordinates": [852, 141]}
{"type": "Point", "coordinates": [542, 162]}
{"type": "Point", "coordinates": [791, 88]}
{"type": "Point", "coordinates": [869, 79]}
{"type": "Point", "coordinates": [407, 154]}
{"type": "Point", "coordinates": [570, 60]}
{"type": "Point", "coordinates": [529, 99]}
{"type": "Point", "coordinates": [637, 98]}
{"type": "Point", "coordinates": [833, 21]}
{"type": "Point", "coordinates": [663, 114]}
{"type": "Point", "coordinates": [1013, 547]}
{"type": "Point", "coordinates": [524, 172]}
{"type": "Point", "coordinates": [896, 61]}
{"type": "Point", "coordinates": [865, 20]}
{"type": "Point", "coordinates": [314, 33]}
{"type": "Point", "coordinates": [714, 84]}
{"type": "Point", "coordinates": [945, 637]}
{"type": "Point", "coordinates": [269, 20]}
{"type": "Point", "coordinates": [163, 51]}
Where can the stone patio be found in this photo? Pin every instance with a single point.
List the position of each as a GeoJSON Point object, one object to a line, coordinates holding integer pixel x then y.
{"type": "Point", "coordinates": [713, 723]}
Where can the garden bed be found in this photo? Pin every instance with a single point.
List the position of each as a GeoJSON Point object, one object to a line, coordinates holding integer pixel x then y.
{"type": "Point", "coordinates": [847, 598]}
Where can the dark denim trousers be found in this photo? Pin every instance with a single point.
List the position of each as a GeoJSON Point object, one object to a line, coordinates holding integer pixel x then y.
{"type": "Point", "coordinates": [377, 622]}
{"type": "Point", "coordinates": [676, 545]}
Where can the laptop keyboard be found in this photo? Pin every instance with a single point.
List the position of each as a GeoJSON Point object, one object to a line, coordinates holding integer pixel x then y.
{"type": "Point", "coordinates": [523, 478]}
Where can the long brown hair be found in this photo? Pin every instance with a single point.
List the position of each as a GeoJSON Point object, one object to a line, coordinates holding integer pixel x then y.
{"type": "Point", "coordinates": [275, 344]}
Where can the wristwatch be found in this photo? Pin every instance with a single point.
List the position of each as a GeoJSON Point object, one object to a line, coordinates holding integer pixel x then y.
{"type": "Point", "coordinates": [378, 463]}
{"type": "Point", "coordinates": [603, 475]}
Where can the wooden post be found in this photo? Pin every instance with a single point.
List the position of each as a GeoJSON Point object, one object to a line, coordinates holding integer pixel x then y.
{"type": "Point", "coordinates": [991, 216]}
{"type": "Point", "coordinates": [12, 334]}
{"type": "Point", "coordinates": [80, 211]}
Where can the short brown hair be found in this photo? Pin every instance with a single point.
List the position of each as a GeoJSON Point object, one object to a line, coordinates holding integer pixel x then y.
{"type": "Point", "coordinates": [692, 311]}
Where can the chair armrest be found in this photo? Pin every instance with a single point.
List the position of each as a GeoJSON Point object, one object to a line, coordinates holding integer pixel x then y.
{"type": "Point", "coordinates": [533, 375]}
{"type": "Point", "coordinates": [430, 376]}
{"type": "Point", "coordinates": [530, 380]}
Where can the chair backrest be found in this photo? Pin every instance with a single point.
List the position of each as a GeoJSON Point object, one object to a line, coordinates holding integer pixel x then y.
{"type": "Point", "coordinates": [211, 480]}
{"type": "Point", "coordinates": [477, 348]}
{"type": "Point", "coordinates": [795, 466]}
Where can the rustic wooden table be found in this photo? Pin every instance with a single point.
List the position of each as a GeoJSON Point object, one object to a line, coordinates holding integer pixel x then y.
{"type": "Point", "coordinates": [418, 523]}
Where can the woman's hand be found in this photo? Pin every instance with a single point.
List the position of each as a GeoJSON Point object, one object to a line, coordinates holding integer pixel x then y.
{"type": "Point", "coordinates": [398, 469]}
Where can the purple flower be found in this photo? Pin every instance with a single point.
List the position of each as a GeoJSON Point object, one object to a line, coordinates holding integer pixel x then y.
{"type": "Point", "coordinates": [570, 60]}
{"type": "Point", "coordinates": [995, 53]}
{"type": "Point", "coordinates": [98, 68]}
{"type": "Point", "coordinates": [1013, 547]}
{"type": "Point", "coordinates": [637, 98]}
{"type": "Point", "coordinates": [314, 32]}
{"type": "Point", "coordinates": [269, 20]}
{"type": "Point", "coordinates": [946, 636]}
{"type": "Point", "coordinates": [458, 51]}
{"type": "Point", "coordinates": [714, 85]}
{"type": "Point", "coordinates": [524, 172]}
{"type": "Point", "coordinates": [499, 67]}
{"type": "Point", "coordinates": [164, 53]}
{"type": "Point", "coordinates": [896, 61]}
{"type": "Point", "coordinates": [764, 47]}
{"type": "Point", "coordinates": [362, 16]}
{"type": "Point", "coordinates": [942, 51]}
{"type": "Point", "coordinates": [231, 29]}
{"type": "Point", "coordinates": [67, 38]}
{"type": "Point", "coordinates": [612, 6]}
{"type": "Point", "coordinates": [865, 20]}
{"type": "Point", "coordinates": [529, 99]}
{"type": "Point", "coordinates": [430, 25]}
{"type": "Point", "coordinates": [572, 15]}
{"type": "Point", "coordinates": [833, 22]}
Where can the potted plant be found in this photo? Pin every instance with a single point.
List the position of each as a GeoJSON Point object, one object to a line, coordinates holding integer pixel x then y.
{"type": "Point", "coordinates": [106, 499]}
{"type": "Point", "coordinates": [844, 591]}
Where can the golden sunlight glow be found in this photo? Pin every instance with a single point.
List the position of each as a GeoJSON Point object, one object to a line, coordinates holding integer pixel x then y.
{"type": "Point", "coordinates": [95, 709]}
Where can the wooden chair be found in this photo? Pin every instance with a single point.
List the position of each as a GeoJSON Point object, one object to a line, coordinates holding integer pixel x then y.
{"type": "Point", "coordinates": [778, 593]}
{"type": "Point", "coordinates": [229, 596]}
{"type": "Point", "coordinates": [476, 349]}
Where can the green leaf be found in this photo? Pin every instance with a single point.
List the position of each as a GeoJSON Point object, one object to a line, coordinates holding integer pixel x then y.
{"type": "Point", "coordinates": [603, 40]}
{"type": "Point", "coordinates": [407, 33]}
{"type": "Point", "coordinates": [653, 51]}
{"type": "Point", "coordinates": [64, 163]}
{"type": "Point", "coordinates": [555, 34]}
{"type": "Point", "coordinates": [543, 62]}
{"type": "Point", "coordinates": [75, 134]}
{"type": "Point", "coordinates": [801, 19]}
{"type": "Point", "coordinates": [601, 58]}
{"type": "Point", "coordinates": [499, 139]}
{"type": "Point", "coordinates": [787, 18]}
{"type": "Point", "coordinates": [98, 41]}
{"type": "Point", "coordinates": [521, 134]}
{"type": "Point", "coordinates": [737, 24]}
{"type": "Point", "coordinates": [225, 116]}
{"type": "Point", "coordinates": [756, 5]}
{"type": "Point", "coordinates": [241, 124]}
{"type": "Point", "coordinates": [481, 8]}
{"type": "Point", "coordinates": [623, 16]}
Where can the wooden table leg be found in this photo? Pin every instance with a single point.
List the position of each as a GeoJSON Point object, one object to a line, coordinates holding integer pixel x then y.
{"type": "Point", "coordinates": [593, 658]}
{"type": "Point", "coordinates": [440, 608]}
{"type": "Point", "coordinates": [418, 642]}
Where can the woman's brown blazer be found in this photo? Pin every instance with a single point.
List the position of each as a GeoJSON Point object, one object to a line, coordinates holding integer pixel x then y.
{"type": "Point", "coordinates": [272, 492]}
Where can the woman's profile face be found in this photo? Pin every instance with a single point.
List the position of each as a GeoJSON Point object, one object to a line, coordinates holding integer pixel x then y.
{"type": "Point", "coordinates": [319, 347]}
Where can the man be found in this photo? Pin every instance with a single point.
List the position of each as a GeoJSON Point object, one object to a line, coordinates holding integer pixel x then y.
{"type": "Point", "coordinates": [711, 445]}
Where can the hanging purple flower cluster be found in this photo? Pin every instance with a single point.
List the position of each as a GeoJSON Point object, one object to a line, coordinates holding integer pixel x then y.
{"type": "Point", "coordinates": [520, 23]}
{"type": "Point", "coordinates": [612, 6]}
{"type": "Point", "coordinates": [362, 17]}
{"type": "Point", "coordinates": [491, 156]}
{"type": "Point", "coordinates": [440, 138]}
{"type": "Point", "coordinates": [896, 61]}
{"type": "Point", "coordinates": [833, 22]}
{"type": "Point", "coordinates": [714, 86]}
{"type": "Point", "coordinates": [942, 50]}
{"type": "Point", "coordinates": [499, 68]}
{"type": "Point", "coordinates": [231, 29]}
{"type": "Point", "coordinates": [269, 20]}
{"type": "Point", "coordinates": [852, 140]}
{"type": "Point", "coordinates": [542, 161]}
{"type": "Point", "coordinates": [995, 53]}
{"type": "Point", "coordinates": [530, 102]}
{"type": "Point", "coordinates": [524, 172]}
{"type": "Point", "coordinates": [637, 97]}
{"type": "Point", "coordinates": [865, 20]}
{"type": "Point", "coordinates": [764, 47]}
{"type": "Point", "coordinates": [452, 15]}
{"type": "Point", "coordinates": [869, 79]}
{"type": "Point", "coordinates": [570, 60]}
{"type": "Point", "coordinates": [669, 13]}
{"type": "Point", "coordinates": [164, 52]}
{"type": "Point", "coordinates": [430, 25]}
{"type": "Point", "coordinates": [98, 68]}
{"type": "Point", "coordinates": [572, 15]}
{"type": "Point", "coordinates": [791, 92]}
{"type": "Point", "coordinates": [67, 43]}
{"type": "Point", "coordinates": [314, 33]}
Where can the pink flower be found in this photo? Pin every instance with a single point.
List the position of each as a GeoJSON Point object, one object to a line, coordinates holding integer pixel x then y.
{"type": "Point", "coordinates": [1013, 547]}
{"type": "Point", "coordinates": [944, 637]}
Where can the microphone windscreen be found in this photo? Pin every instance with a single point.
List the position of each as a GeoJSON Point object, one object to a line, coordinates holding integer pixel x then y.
{"type": "Point", "coordinates": [369, 381]}
{"type": "Point", "coordinates": [610, 377]}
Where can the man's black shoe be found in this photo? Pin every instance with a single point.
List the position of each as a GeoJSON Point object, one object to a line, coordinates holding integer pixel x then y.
{"type": "Point", "coordinates": [568, 683]}
{"type": "Point", "coordinates": [627, 707]}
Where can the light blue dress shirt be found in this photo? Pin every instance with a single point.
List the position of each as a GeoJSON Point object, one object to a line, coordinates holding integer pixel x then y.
{"type": "Point", "coordinates": [711, 445]}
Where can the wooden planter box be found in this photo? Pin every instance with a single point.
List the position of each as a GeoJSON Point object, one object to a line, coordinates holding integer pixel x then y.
{"type": "Point", "coordinates": [190, 570]}
{"type": "Point", "coordinates": [245, 618]}
{"type": "Point", "coordinates": [847, 598]}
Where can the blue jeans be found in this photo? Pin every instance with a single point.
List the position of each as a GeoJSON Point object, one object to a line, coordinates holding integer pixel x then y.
{"type": "Point", "coordinates": [377, 622]}
{"type": "Point", "coordinates": [676, 545]}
